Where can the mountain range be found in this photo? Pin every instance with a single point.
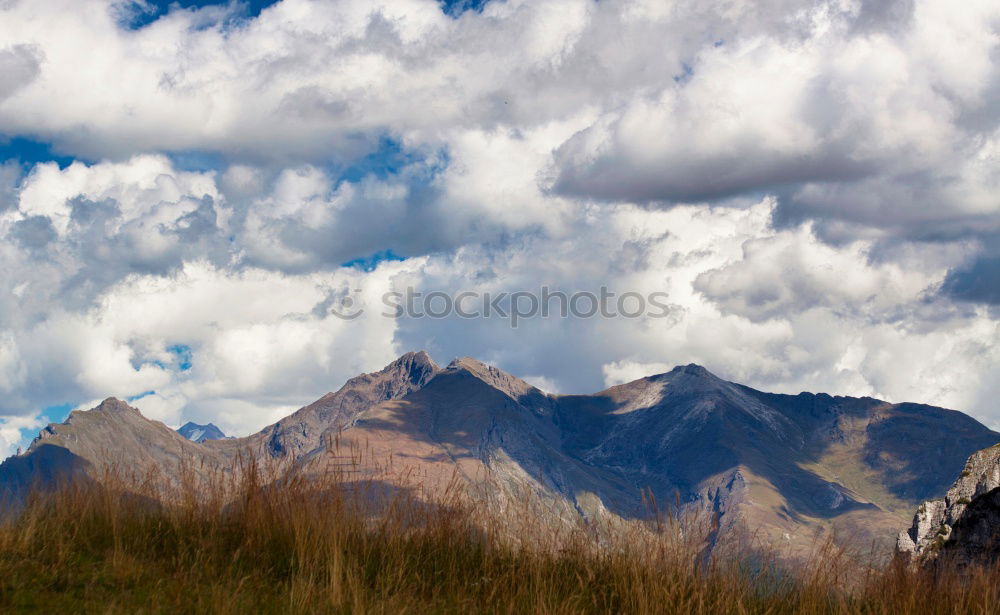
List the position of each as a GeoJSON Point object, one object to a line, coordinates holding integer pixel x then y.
{"type": "Point", "coordinates": [790, 468]}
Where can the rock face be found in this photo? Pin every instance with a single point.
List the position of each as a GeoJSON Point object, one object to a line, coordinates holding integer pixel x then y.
{"type": "Point", "coordinates": [784, 466]}
{"type": "Point", "coordinates": [200, 433]}
{"type": "Point", "coordinates": [964, 526]}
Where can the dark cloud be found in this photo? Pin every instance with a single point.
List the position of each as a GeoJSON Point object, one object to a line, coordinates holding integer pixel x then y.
{"type": "Point", "coordinates": [34, 232]}
{"type": "Point", "coordinates": [978, 282]}
{"type": "Point", "coordinates": [199, 224]}
{"type": "Point", "coordinates": [883, 15]}
{"type": "Point", "coordinates": [679, 177]}
{"type": "Point", "coordinates": [924, 205]}
{"type": "Point", "coordinates": [93, 217]}
{"type": "Point", "coordinates": [10, 177]}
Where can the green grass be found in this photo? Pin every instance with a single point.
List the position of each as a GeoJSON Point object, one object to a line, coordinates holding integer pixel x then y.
{"type": "Point", "coordinates": [297, 547]}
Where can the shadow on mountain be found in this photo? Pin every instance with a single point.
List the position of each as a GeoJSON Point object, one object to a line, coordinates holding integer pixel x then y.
{"type": "Point", "coordinates": [922, 448]}
{"type": "Point", "coordinates": [47, 468]}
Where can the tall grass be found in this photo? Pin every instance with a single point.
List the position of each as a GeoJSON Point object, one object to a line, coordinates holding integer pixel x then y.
{"type": "Point", "coordinates": [249, 543]}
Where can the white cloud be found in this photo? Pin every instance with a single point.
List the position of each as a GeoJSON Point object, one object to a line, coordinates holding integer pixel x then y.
{"type": "Point", "coordinates": [783, 311]}
{"type": "Point", "coordinates": [620, 372]}
{"type": "Point", "coordinates": [12, 430]}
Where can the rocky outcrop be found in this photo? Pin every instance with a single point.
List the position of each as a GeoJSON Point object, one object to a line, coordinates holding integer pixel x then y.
{"type": "Point", "coordinates": [964, 526]}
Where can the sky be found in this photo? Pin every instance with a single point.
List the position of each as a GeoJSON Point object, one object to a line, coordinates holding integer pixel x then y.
{"type": "Point", "coordinates": [192, 192]}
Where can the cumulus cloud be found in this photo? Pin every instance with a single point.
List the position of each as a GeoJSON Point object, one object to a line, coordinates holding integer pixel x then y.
{"type": "Point", "coordinates": [864, 127]}
{"type": "Point", "coordinates": [811, 183]}
{"type": "Point", "coordinates": [251, 337]}
{"type": "Point", "coordinates": [789, 273]}
{"type": "Point", "coordinates": [852, 110]}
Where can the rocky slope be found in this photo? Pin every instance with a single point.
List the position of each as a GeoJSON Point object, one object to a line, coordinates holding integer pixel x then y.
{"type": "Point", "coordinates": [964, 526]}
{"type": "Point", "coordinates": [788, 467]}
{"type": "Point", "coordinates": [307, 429]}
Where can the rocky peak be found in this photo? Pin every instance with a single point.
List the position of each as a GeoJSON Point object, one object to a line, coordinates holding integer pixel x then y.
{"type": "Point", "coordinates": [474, 366]}
{"type": "Point", "coordinates": [689, 396]}
{"type": "Point", "coordinates": [302, 431]}
{"type": "Point", "coordinates": [415, 367]}
{"type": "Point", "coordinates": [200, 433]}
{"type": "Point", "coordinates": [693, 369]}
{"type": "Point", "coordinates": [113, 405]}
{"type": "Point", "coordinates": [111, 409]}
{"type": "Point", "coordinates": [409, 372]}
{"type": "Point", "coordinates": [693, 378]}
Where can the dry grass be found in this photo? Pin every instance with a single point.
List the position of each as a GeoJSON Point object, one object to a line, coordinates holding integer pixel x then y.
{"type": "Point", "coordinates": [321, 546]}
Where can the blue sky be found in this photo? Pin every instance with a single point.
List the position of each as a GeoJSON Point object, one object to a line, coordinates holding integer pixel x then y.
{"type": "Point", "coordinates": [252, 8]}
{"type": "Point", "coordinates": [29, 152]}
{"type": "Point", "coordinates": [156, 8]}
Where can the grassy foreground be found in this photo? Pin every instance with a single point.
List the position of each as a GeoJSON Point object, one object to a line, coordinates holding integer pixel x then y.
{"type": "Point", "coordinates": [296, 548]}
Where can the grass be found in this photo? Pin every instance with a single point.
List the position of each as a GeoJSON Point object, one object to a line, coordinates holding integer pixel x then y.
{"type": "Point", "coordinates": [324, 546]}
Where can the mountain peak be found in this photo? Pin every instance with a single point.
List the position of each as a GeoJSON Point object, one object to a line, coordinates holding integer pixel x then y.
{"type": "Point", "coordinates": [113, 405]}
{"type": "Point", "coordinates": [415, 357]}
{"type": "Point", "coordinates": [417, 367]}
{"type": "Point", "coordinates": [302, 431]}
{"type": "Point", "coordinates": [693, 369]}
{"type": "Point", "coordinates": [199, 433]}
{"type": "Point", "coordinates": [483, 371]}
{"type": "Point", "coordinates": [468, 363]}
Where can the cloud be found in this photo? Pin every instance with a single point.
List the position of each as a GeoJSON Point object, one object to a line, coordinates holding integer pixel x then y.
{"type": "Point", "coordinates": [861, 127]}
{"type": "Point", "coordinates": [33, 232]}
{"type": "Point", "coordinates": [977, 282]}
{"type": "Point", "coordinates": [778, 309]}
{"type": "Point", "coordinates": [253, 338]}
{"type": "Point", "coordinates": [812, 183]}
{"type": "Point", "coordinates": [620, 372]}
{"type": "Point", "coordinates": [261, 340]}
{"type": "Point", "coordinates": [839, 108]}
{"type": "Point", "coordinates": [11, 430]}
{"type": "Point", "coordinates": [792, 272]}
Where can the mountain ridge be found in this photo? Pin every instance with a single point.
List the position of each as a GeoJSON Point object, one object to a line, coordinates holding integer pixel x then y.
{"type": "Point", "coordinates": [788, 465]}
